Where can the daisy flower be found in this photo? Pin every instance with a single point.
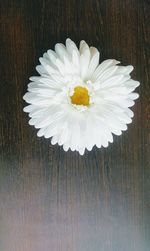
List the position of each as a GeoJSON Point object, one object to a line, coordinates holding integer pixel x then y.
{"type": "Point", "coordinates": [76, 101]}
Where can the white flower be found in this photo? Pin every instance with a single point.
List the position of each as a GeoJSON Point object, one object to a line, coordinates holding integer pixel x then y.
{"type": "Point", "coordinates": [77, 101]}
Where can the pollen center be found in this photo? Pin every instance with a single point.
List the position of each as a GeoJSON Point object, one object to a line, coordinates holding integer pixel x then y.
{"type": "Point", "coordinates": [80, 96]}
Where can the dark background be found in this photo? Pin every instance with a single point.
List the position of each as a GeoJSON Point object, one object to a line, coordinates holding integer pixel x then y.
{"type": "Point", "coordinates": [52, 200]}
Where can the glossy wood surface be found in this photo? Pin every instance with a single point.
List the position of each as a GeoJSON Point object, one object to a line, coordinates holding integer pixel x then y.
{"type": "Point", "coordinates": [56, 201]}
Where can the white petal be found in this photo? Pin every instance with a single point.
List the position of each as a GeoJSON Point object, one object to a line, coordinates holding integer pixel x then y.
{"type": "Point", "coordinates": [129, 112]}
{"type": "Point", "coordinates": [34, 99]}
{"type": "Point", "coordinates": [52, 116]}
{"type": "Point", "coordinates": [49, 69]}
{"type": "Point", "coordinates": [83, 47]}
{"type": "Point", "coordinates": [50, 82]}
{"type": "Point", "coordinates": [41, 70]}
{"type": "Point", "coordinates": [125, 69]}
{"type": "Point", "coordinates": [54, 140]}
{"type": "Point", "coordinates": [109, 72]}
{"type": "Point", "coordinates": [64, 134]}
{"type": "Point", "coordinates": [113, 81]}
{"type": "Point", "coordinates": [133, 96]}
{"type": "Point", "coordinates": [93, 62]}
{"type": "Point", "coordinates": [71, 46]}
{"type": "Point", "coordinates": [37, 112]}
{"type": "Point", "coordinates": [76, 60]}
{"type": "Point", "coordinates": [84, 59]}
{"type": "Point", "coordinates": [60, 66]}
{"type": "Point", "coordinates": [52, 55]}
{"type": "Point", "coordinates": [104, 65]}
{"type": "Point", "coordinates": [29, 108]}
{"type": "Point", "coordinates": [40, 133]}
{"type": "Point", "coordinates": [61, 51]}
{"type": "Point", "coordinates": [131, 84]}
{"type": "Point", "coordinates": [50, 131]}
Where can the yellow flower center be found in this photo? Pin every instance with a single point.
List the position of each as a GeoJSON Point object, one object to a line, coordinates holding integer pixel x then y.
{"type": "Point", "coordinates": [80, 96]}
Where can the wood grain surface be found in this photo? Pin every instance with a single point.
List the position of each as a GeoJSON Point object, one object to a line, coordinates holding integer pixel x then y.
{"type": "Point", "coordinates": [56, 201]}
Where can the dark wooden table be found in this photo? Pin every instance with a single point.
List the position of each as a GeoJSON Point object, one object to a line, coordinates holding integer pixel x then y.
{"type": "Point", "coordinates": [56, 201]}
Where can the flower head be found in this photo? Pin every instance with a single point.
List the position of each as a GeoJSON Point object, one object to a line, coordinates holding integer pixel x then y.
{"type": "Point", "coordinates": [76, 101]}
